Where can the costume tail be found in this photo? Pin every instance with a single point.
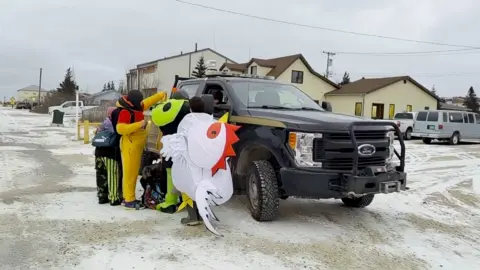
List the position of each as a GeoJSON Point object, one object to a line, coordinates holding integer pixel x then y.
{"type": "Point", "coordinates": [202, 198]}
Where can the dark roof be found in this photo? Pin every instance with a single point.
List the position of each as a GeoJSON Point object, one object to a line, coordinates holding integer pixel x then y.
{"type": "Point", "coordinates": [101, 93]}
{"type": "Point", "coordinates": [366, 86]}
{"type": "Point", "coordinates": [452, 107]}
{"type": "Point", "coordinates": [31, 88]}
{"type": "Point", "coordinates": [278, 66]}
{"type": "Point", "coordinates": [183, 54]}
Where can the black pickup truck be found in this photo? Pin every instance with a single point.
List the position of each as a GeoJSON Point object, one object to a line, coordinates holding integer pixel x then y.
{"type": "Point", "coordinates": [291, 146]}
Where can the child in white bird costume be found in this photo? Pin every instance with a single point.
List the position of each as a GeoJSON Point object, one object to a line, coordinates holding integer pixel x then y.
{"type": "Point", "coordinates": [199, 152]}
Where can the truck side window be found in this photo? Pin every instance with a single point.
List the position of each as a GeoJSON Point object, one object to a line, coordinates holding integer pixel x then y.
{"type": "Point", "coordinates": [456, 117]}
{"type": "Point", "coordinates": [422, 116]}
{"type": "Point", "coordinates": [445, 117]}
{"type": "Point", "coordinates": [191, 89]}
{"type": "Point", "coordinates": [471, 119]}
{"type": "Point", "coordinates": [432, 117]}
{"type": "Point", "coordinates": [465, 118]}
{"type": "Point", "coordinates": [477, 117]}
{"type": "Point", "coordinates": [214, 89]}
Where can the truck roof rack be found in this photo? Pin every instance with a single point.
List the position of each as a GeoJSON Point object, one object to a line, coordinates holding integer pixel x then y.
{"type": "Point", "coordinates": [236, 75]}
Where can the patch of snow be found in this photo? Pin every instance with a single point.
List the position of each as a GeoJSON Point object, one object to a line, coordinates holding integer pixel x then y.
{"type": "Point", "coordinates": [13, 164]}
{"type": "Point", "coordinates": [170, 253]}
{"type": "Point", "coordinates": [14, 148]}
{"type": "Point", "coordinates": [476, 184]}
{"type": "Point", "coordinates": [85, 179]}
{"type": "Point", "coordinates": [74, 149]}
{"type": "Point", "coordinates": [84, 206]}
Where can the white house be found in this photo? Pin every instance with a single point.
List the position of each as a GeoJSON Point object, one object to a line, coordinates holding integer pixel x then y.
{"type": "Point", "coordinates": [160, 74]}
{"type": "Point", "coordinates": [30, 94]}
{"type": "Point", "coordinates": [292, 69]}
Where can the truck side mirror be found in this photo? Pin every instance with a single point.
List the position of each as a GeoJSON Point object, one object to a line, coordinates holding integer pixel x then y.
{"type": "Point", "coordinates": [326, 106]}
{"type": "Point", "coordinates": [209, 103]}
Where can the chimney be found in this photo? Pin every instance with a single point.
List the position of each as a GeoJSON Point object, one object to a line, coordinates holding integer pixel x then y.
{"type": "Point", "coordinates": [196, 48]}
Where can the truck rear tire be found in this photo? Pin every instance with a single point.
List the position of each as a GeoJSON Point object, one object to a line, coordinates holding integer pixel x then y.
{"type": "Point", "coordinates": [455, 139]}
{"type": "Point", "coordinates": [408, 134]}
{"type": "Point", "coordinates": [360, 202]}
{"type": "Point", "coordinates": [262, 191]}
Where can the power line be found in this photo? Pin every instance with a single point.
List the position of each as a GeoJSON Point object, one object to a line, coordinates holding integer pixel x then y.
{"type": "Point", "coordinates": [325, 28]}
{"type": "Point", "coordinates": [432, 75]}
{"type": "Point", "coordinates": [417, 53]}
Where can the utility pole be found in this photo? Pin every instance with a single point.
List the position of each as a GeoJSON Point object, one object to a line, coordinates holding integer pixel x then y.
{"type": "Point", "coordinates": [39, 87]}
{"type": "Point", "coordinates": [329, 62]}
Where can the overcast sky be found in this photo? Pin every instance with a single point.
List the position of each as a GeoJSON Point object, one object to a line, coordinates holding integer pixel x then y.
{"type": "Point", "coordinates": [102, 39]}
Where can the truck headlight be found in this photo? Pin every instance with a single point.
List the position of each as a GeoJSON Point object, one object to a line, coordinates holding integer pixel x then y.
{"type": "Point", "coordinates": [391, 148]}
{"type": "Point", "coordinates": [302, 145]}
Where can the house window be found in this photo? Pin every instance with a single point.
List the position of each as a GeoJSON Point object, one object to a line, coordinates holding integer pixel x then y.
{"type": "Point", "coordinates": [358, 109]}
{"type": "Point", "coordinates": [409, 108]}
{"type": "Point", "coordinates": [297, 76]}
{"type": "Point", "coordinates": [253, 70]}
{"type": "Point", "coordinates": [427, 108]}
{"type": "Point", "coordinates": [377, 111]}
{"type": "Point", "coordinates": [391, 111]}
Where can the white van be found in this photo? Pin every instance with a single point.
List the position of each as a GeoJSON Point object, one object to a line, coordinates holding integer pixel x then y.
{"type": "Point", "coordinates": [451, 126]}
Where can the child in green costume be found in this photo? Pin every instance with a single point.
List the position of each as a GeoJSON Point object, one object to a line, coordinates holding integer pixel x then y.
{"type": "Point", "coordinates": [167, 116]}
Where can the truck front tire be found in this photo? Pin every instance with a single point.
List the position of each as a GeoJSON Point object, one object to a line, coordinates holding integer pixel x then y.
{"type": "Point", "coordinates": [360, 202]}
{"type": "Point", "coordinates": [262, 191]}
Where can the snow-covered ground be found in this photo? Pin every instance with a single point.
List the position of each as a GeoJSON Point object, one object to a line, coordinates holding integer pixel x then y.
{"type": "Point", "coordinates": [49, 218]}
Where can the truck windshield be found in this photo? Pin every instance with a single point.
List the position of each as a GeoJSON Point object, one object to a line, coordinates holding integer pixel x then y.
{"type": "Point", "coordinates": [272, 95]}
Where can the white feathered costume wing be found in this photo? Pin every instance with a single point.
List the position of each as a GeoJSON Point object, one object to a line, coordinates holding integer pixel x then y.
{"type": "Point", "coordinates": [200, 169]}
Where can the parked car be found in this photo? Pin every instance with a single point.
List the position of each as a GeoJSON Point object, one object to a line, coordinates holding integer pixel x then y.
{"type": "Point", "coordinates": [405, 121]}
{"type": "Point", "coordinates": [69, 107]}
{"type": "Point", "coordinates": [449, 126]}
{"type": "Point", "coordinates": [23, 105]}
{"type": "Point", "coordinates": [296, 147]}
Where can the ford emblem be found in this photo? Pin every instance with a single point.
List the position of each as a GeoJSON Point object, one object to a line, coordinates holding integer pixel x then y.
{"type": "Point", "coordinates": [366, 150]}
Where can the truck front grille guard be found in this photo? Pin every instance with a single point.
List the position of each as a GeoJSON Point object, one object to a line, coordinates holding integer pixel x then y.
{"type": "Point", "coordinates": [351, 130]}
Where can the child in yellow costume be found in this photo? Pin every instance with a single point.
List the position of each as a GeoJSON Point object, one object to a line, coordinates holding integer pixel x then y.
{"type": "Point", "coordinates": [129, 122]}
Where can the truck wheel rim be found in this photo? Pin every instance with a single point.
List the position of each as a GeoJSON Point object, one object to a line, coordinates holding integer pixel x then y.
{"type": "Point", "coordinates": [455, 139]}
{"type": "Point", "coordinates": [253, 191]}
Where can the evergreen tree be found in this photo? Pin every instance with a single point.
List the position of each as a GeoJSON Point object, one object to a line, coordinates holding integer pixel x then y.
{"type": "Point", "coordinates": [68, 86]}
{"type": "Point", "coordinates": [104, 87]}
{"type": "Point", "coordinates": [109, 87]}
{"type": "Point", "coordinates": [200, 68]}
{"type": "Point", "coordinates": [434, 91]}
{"type": "Point", "coordinates": [345, 79]}
{"type": "Point", "coordinates": [112, 85]}
{"type": "Point", "coordinates": [471, 100]}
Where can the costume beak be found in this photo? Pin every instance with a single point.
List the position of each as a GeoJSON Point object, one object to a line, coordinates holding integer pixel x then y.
{"type": "Point", "coordinates": [224, 118]}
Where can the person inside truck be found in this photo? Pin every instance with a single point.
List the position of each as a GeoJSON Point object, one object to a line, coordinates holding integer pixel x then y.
{"type": "Point", "coordinates": [218, 97]}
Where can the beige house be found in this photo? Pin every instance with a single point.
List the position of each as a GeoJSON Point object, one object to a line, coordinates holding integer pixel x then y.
{"type": "Point", "coordinates": [381, 98]}
{"type": "Point", "coordinates": [30, 94]}
{"type": "Point", "coordinates": [292, 69]}
{"type": "Point", "coordinates": [160, 74]}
